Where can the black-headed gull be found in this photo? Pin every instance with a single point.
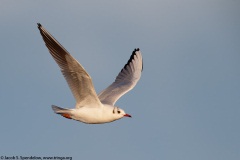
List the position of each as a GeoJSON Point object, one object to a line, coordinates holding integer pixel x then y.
{"type": "Point", "coordinates": [90, 107]}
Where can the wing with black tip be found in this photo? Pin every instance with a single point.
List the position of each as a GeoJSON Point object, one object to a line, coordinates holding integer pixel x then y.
{"type": "Point", "coordinates": [125, 81]}
{"type": "Point", "coordinates": [77, 78]}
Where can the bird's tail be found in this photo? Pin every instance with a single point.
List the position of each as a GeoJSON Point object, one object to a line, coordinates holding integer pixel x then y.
{"type": "Point", "coordinates": [62, 111]}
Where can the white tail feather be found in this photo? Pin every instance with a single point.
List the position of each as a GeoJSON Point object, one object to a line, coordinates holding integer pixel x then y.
{"type": "Point", "coordinates": [60, 110]}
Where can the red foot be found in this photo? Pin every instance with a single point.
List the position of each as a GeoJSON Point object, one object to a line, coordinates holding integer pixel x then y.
{"type": "Point", "coordinates": [66, 115]}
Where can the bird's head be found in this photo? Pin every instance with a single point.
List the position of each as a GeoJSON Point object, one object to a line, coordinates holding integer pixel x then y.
{"type": "Point", "coordinates": [118, 112]}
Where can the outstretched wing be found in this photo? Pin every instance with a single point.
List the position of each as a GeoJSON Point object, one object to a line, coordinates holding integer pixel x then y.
{"type": "Point", "coordinates": [125, 81]}
{"type": "Point", "coordinates": [77, 78]}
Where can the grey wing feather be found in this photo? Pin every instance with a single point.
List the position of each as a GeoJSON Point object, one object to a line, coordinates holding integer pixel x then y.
{"type": "Point", "coordinates": [125, 81]}
{"type": "Point", "coordinates": [77, 78]}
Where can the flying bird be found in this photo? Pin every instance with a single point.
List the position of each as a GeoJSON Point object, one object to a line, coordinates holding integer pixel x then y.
{"type": "Point", "coordinates": [92, 108]}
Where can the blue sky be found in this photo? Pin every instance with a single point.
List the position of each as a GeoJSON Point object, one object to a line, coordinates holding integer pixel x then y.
{"type": "Point", "coordinates": [186, 105]}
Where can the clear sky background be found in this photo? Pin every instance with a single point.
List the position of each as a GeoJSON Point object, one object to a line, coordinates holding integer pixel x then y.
{"type": "Point", "coordinates": [186, 105]}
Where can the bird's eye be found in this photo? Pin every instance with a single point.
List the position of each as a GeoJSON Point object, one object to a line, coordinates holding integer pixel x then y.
{"type": "Point", "coordinates": [119, 112]}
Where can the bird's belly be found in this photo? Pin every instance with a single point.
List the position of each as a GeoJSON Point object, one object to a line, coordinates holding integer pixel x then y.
{"type": "Point", "coordinates": [90, 116]}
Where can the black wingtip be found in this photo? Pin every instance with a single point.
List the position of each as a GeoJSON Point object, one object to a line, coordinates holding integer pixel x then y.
{"type": "Point", "coordinates": [131, 58]}
{"type": "Point", "coordinates": [134, 52]}
{"type": "Point", "coordinates": [136, 49]}
{"type": "Point", "coordinates": [39, 25]}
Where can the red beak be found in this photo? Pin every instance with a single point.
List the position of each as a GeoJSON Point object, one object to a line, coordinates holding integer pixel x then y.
{"type": "Point", "coordinates": [128, 115]}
